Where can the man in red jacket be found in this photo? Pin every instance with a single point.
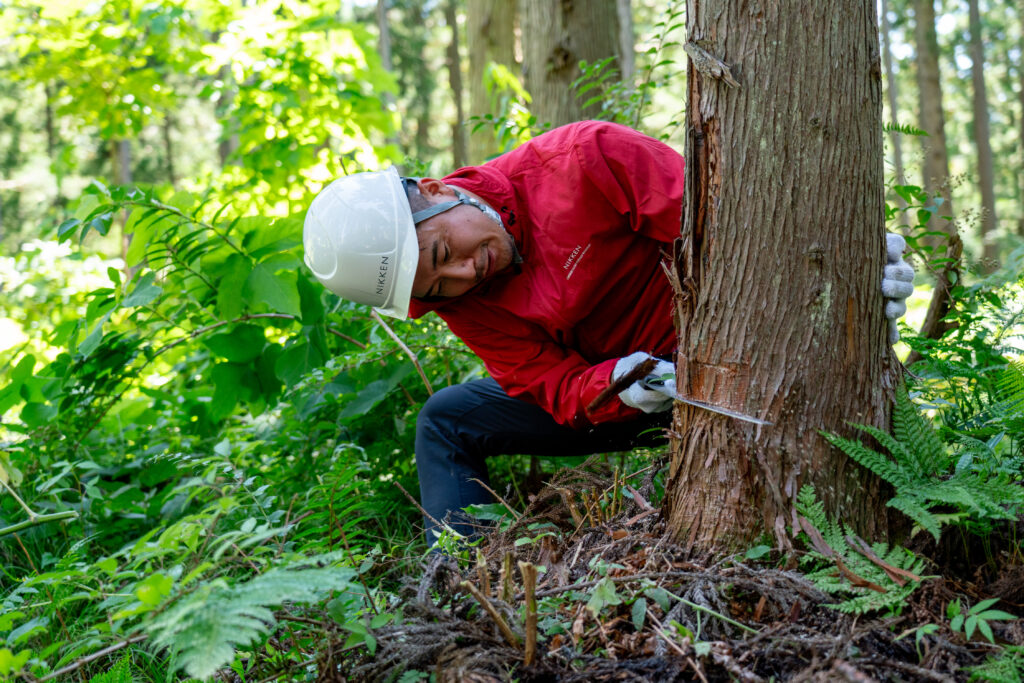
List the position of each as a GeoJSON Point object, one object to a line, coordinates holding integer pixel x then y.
{"type": "Point", "coordinates": [546, 262]}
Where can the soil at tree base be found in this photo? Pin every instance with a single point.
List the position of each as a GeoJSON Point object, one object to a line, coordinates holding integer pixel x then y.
{"type": "Point", "coordinates": [797, 636]}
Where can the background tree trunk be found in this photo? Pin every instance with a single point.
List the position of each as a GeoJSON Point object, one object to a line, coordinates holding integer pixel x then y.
{"type": "Point", "coordinates": [891, 90]}
{"type": "Point", "coordinates": [982, 138]}
{"type": "Point", "coordinates": [556, 36]}
{"type": "Point", "coordinates": [165, 129]}
{"type": "Point", "coordinates": [455, 80]}
{"type": "Point", "coordinates": [1020, 95]}
{"type": "Point", "coordinates": [490, 38]}
{"type": "Point", "coordinates": [779, 312]}
{"type": "Point", "coordinates": [935, 174]}
{"type": "Point", "coordinates": [627, 41]}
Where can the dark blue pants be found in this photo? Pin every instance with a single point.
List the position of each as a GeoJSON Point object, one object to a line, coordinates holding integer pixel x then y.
{"type": "Point", "coordinates": [461, 426]}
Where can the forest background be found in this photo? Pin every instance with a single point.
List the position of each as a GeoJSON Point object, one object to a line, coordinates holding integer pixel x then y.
{"type": "Point", "coordinates": [194, 434]}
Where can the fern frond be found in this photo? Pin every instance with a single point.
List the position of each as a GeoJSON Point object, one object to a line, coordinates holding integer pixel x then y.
{"type": "Point", "coordinates": [1003, 667]}
{"type": "Point", "coordinates": [913, 509]}
{"type": "Point", "coordinates": [830, 580]}
{"type": "Point", "coordinates": [119, 673]}
{"type": "Point", "coordinates": [922, 440]}
{"type": "Point", "coordinates": [866, 457]}
{"type": "Point", "coordinates": [904, 128]}
{"type": "Point", "coordinates": [1010, 384]}
{"type": "Point", "coordinates": [203, 629]}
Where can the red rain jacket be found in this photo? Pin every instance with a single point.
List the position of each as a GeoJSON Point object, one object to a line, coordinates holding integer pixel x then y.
{"type": "Point", "coordinates": [594, 208]}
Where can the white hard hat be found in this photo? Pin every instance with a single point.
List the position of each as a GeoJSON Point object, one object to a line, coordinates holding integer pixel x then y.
{"type": "Point", "coordinates": [360, 241]}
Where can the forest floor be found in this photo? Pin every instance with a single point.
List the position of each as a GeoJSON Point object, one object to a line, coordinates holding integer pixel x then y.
{"type": "Point", "coordinates": [616, 601]}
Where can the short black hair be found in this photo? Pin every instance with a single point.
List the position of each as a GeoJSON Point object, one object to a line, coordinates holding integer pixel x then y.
{"type": "Point", "coordinates": [417, 202]}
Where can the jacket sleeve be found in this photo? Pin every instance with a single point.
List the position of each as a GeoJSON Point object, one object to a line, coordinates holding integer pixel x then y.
{"type": "Point", "coordinates": [531, 366]}
{"type": "Point", "coordinates": [640, 176]}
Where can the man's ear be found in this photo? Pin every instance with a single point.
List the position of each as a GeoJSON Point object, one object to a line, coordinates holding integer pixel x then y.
{"type": "Point", "coordinates": [432, 188]}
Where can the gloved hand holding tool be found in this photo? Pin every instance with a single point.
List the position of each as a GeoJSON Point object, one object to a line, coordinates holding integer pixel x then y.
{"type": "Point", "coordinates": [897, 283]}
{"type": "Point", "coordinates": [656, 391]}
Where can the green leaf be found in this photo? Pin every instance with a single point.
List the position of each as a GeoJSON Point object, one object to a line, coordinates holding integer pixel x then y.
{"type": "Point", "coordinates": [86, 204]}
{"type": "Point", "coordinates": [996, 615]}
{"type": "Point", "coordinates": [67, 228]}
{"type": "Point", "coordinates": [983, 605]}
{"type": "Point", "coordinates": [152, 590]}
{"type": "Point", "coordinates": [986, 631]}
{"type": "Point", "coordinates": [141, 226]}
{"type": "Point", "coordinates": [27, 630]}
{"type": "Point", "coordinates": [229, 380]}
{"type": "Point", "coordinates": [241, 345]}
{"type": "Point", "coordinates": [144, 293]}
{"type": "Point", "coordinates": [639, 613]}
{"type": "Point", "coordinates": [92, 340]}
{"type": "Point", "coordinates": [660, 596]}
{"type": "Point", "coordinates": [35, 414]}
{"type": "Point", "coordinates": [279, 291]}
{"type": "Point", "coordinates": [295, 361]}
{"type": "Point", "coordinates": [229, 303]}
{"type": "Point", "coordinates": [11, 663]}
{"type": "Point", "coordinates": [758, 551]}
{"type": "Point", "coordinates": [312, 305]}
{"type": "Point", "coordinates": [375, 392]}
{"type": "Point", "coordinates": [604, 594]}
{"type": "Point", "coordinates": [969, 625]}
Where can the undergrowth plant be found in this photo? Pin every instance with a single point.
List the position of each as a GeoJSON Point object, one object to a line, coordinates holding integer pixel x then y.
{"type": "Point", "coordinates": [201, 449]}
{"type": "Point", "coordinates": [870, 577]}
{"type": "Point", "coordinates": [966, 484]}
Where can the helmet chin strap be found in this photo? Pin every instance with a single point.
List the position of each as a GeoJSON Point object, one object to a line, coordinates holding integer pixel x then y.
{"type": "Point", "coordinates": [463, 198]}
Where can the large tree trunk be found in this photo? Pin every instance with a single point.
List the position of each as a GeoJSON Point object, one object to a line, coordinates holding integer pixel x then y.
{"type": "Point", "coordinates": [982, 137]}
{"type": "Point", "coordinates": [557, 35]}
{"type": "Point", "coordinates": [455, 81]}
{"type": "Point", "coordinates": [490, 39]}
{"type": "Point", "coordinates": [780, 314]}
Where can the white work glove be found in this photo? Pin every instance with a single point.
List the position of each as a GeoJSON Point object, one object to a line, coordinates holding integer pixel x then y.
{"type": "Point", "coordinates": [897, 283]}
{"type": "Point", "coordinates": [638, 396]}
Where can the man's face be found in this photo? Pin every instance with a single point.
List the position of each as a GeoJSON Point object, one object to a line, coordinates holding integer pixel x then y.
{"type": "Point", "coordinates": [458, 248]}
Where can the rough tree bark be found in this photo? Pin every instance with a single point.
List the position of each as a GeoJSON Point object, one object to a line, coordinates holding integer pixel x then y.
{"type": "Point", "coordinates": [779, 310]}
{"type": "Point", "coordinates": [490, 38]}
{"type": "Point", "coordinates": [986, 172]}
{"type": "Point", "coordinates": [556, 36]}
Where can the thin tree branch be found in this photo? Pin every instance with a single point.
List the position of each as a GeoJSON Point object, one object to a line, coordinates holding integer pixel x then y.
{"type": "Point", "coordinates": [391, 333]}
{"type": "Point", "coordinates": [38, 519]}
{"type": "Point", "coordinates": [78, 664]}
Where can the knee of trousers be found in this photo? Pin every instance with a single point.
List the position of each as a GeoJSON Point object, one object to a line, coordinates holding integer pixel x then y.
{"type": "Point", "coordinates": [437, 420]}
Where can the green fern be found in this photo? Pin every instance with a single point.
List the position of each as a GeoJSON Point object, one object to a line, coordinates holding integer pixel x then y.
{"type": "Point", "coordinates": [1005, 667]}
{"type": "Point", "coordinates": [905, 128]}
{"type": "Point", "coordinates": [936, 485]}
{"type": "Point", "coordinates": [119, 673]}
{"type": "Point", "coordinates": [203, 628]}
{"type": "Point", "coordinates": [836, 535]}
